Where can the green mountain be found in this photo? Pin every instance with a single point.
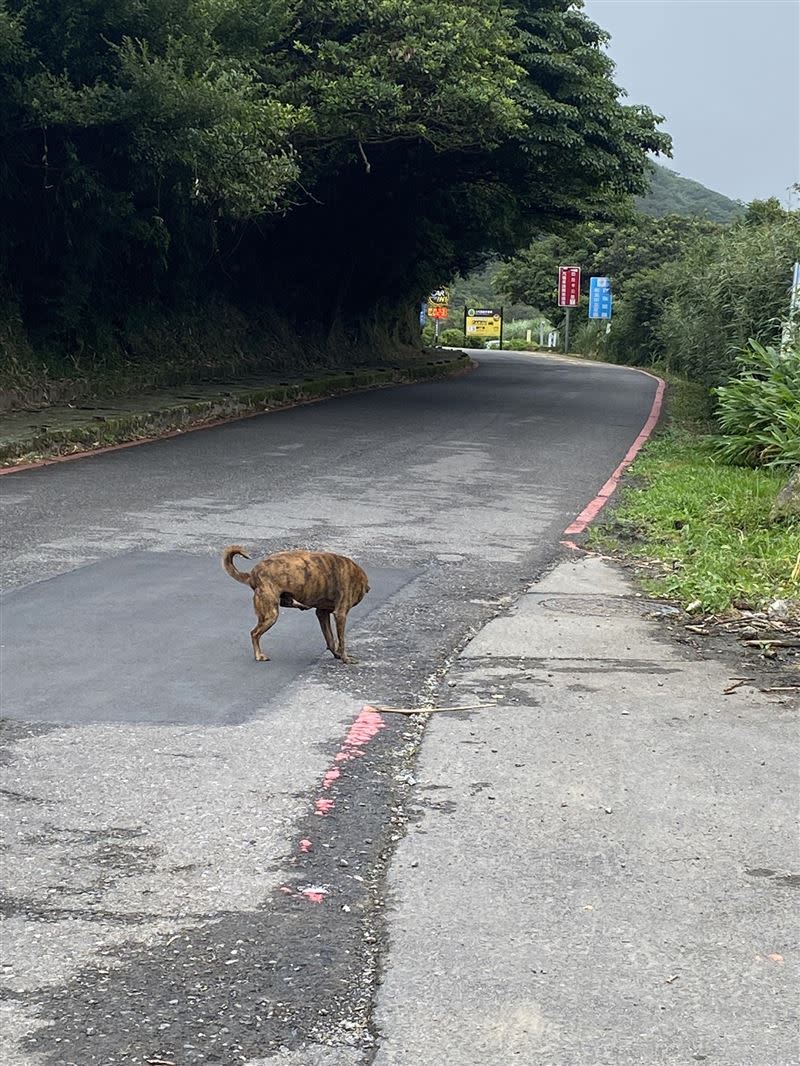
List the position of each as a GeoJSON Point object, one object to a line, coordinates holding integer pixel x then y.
{"type": "Point", "coordinates": [672, 194]}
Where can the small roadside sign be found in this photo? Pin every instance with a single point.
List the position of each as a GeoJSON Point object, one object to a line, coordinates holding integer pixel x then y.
{"type": "Point", "coordinates": [569, 286]}
{"type": "Point", "coordinates": [600, 301]}
{"type": "Point", "coordinates": [439, 304]}
{"type": "Point", "coordinates": [484, 322]}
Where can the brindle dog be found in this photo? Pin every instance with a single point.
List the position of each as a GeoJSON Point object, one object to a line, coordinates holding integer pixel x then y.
{"type": "Point", "coordinates": [333, 584]}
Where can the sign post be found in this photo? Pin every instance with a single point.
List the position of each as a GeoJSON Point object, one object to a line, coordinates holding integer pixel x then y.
{"type": "Point", "coordinates": [569, 294]}
{"type": "Point", "coordinates": [438, 309]}
{"type": "Point", "coordinates": [791, 328]}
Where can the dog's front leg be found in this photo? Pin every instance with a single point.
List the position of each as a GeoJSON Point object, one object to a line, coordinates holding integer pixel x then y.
{"type": "Point", "coordinates": [341, 652]}
{"type": "Point", "coordinates": [324, 619]}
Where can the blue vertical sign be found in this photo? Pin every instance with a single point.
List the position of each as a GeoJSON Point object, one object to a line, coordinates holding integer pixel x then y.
{"type": "Point", "coordinates": [423, 314]}
{"type": "Point", "coordinates": [600, 298]}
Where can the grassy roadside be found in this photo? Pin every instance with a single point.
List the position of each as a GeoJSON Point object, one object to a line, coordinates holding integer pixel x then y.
{"type": "Point", "coordinates": [704, 526]}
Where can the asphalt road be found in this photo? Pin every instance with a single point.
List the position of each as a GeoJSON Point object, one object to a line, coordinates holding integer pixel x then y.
{"type": "Point", "coordinates": [158, 781]}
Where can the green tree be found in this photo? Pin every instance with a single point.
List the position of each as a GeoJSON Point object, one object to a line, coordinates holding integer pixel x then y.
{"type": "Point", "coordinates": [127, 131]}
{"type": "Point", "coordinates": [621, 250]}
{"type": "Point", "coordinates": [330, 159]}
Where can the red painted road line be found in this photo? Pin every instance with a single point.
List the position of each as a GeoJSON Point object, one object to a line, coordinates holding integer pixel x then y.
{"type": "Point", "coordinates": [366, 726]}
{"type": "Point", "coordinates": [592, 509]}
{"type": "Point", "coordinates": [369, 722]}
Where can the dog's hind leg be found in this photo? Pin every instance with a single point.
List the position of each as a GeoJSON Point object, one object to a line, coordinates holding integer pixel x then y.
{"type": "Point", "coordinates": [267, 611]}
{"type": "Point", "coordinates": [324, 619]}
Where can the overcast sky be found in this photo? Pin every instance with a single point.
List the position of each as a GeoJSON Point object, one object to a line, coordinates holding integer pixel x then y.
{"type": "Point", "coordinates": [726, 76]}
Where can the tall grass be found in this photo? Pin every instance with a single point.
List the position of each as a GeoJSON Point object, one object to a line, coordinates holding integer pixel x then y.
{"type": "Point", "coordinates": [759, 410]}
{"type": "Point", "coordinates": [706, 522]}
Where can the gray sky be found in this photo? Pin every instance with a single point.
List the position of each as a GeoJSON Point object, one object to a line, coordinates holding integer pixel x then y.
{"type": "Point", "coordinates": [726, 76]}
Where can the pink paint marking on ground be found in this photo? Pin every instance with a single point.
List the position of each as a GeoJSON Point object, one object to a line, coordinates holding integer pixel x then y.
{"type": "Point", "coordinates": [592, 509]}
{"type": "Point", "coordinates": [366, 726]}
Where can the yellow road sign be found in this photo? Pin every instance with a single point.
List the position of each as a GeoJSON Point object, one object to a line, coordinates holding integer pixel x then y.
{"type": "Point", "coordinates": [483, 322]}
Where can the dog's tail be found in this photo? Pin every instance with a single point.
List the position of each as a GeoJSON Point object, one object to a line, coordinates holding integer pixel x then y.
{"type": "Point", "coordinates": [227, 564]}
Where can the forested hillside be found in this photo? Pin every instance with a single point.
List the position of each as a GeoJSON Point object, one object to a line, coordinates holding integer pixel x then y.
{"type": "Point", "coordinates": [672, 194]}
{"type": "Point", "coordinates": [284, 179]}
{"type": "Point", "coordinates": [669, 195]}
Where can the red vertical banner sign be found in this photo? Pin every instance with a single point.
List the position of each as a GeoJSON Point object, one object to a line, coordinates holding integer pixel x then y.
{"type": "Point", "coordinates": [569, 286]}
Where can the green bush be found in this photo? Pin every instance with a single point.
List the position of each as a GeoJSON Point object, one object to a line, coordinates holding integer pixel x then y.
{"type": "Point", "coordinates": [759, 410]}
{"type": "Point", "coordinates": [517, 345]}
{"type": "Point", "coordinates": [591, 338]}
{"type": "Point", "coordinates": [452, 338]}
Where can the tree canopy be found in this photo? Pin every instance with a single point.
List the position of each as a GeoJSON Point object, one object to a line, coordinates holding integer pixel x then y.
{"type": "Point", "coordinates": [689, 294]}
{"type": "Point", "coordinates": [331, 158]}
{"type": "Point", "coordinates": [620, 250]}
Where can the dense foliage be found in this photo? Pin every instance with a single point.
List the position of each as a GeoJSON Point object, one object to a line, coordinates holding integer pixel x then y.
{"type": "Point", "coordinates": [329, 159]}
{"type": "Point", "coordinates": [724, 292]}
{"type": "Point", "coordinates": [622, 250]}
{"type": "Point", "coordinates": [689, 294]}
{"type": "Point", "coordinates": [759, 410]}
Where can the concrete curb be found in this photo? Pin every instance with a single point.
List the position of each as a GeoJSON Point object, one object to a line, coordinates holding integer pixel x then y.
{"type": "Point", "coordinates": [133, 428]}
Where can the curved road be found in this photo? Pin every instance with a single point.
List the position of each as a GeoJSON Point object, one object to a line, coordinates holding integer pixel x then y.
{"type": "Point", "coordinates": [158, 783]}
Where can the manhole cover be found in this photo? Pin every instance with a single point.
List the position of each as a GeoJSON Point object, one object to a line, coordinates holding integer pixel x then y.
{"type": "Point", "coordinates": [593, 605]}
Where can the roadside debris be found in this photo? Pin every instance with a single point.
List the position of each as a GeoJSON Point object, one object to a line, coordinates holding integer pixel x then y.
{"type": "Point", "coordinates": [777, 627]}
{"type": "Point", "coordinates": [737, 683]}
{"type": "Point", "coordinates": [430, 710]}
{"type": "Point", "coordinates": [772, 643]}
